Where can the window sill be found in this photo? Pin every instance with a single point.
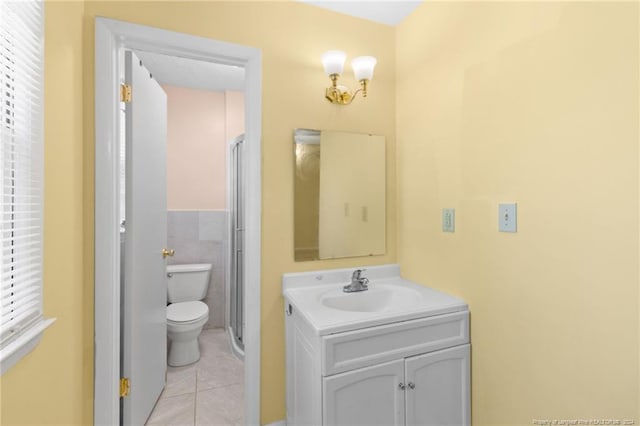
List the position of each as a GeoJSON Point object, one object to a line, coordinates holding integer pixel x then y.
{"type": "Point", "coordinates": [24, 344]}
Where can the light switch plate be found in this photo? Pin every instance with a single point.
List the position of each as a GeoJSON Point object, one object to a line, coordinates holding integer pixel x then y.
{"type": "Point", "coordinates": [507, 217]}
{"type": "Point", "coordinates": [448, 220]}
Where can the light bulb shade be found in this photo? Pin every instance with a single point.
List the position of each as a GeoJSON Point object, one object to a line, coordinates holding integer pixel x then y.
{"type": "Point", "coordinates": [333, 61]}
{"type": "Point", "coordinates": [363, 67]}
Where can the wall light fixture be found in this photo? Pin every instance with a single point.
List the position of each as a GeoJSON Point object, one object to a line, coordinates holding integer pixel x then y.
{"type": "Point", "coordinates": [333, 62]}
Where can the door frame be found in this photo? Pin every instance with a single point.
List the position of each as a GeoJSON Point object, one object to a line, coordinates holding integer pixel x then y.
{"type": "Point", "coordinates": [111, 36]}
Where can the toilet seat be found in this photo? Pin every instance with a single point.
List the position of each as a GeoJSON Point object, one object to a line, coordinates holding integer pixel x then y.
{"type": "Point", "coordinates": [187, 312]}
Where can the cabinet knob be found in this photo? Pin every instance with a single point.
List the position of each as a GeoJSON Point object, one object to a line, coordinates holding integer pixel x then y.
{"type": "Point", "coordinates": [401, 386]}
{"type": "Point", "coordinates": [412, 385]}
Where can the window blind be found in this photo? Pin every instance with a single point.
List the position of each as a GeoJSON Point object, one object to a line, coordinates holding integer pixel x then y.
{"type": "Point", "coordinates": [21, 160]}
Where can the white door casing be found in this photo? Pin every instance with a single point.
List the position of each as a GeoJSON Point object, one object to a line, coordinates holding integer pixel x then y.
{"type": "Point", "coordinates": [111, 36]}
{"type": "Point", "coordinates": [144, 294]}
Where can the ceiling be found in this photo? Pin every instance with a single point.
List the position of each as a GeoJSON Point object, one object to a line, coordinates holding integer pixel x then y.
{"type": "Point", "coordinates": [202, 75]}
{"type": "Point", "coordinates": [193, 74]}
{"type": "Point", "coordinates": [385, 12]}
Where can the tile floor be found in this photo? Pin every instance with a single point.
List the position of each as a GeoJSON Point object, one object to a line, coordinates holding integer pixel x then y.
{"type": "Point", "coordinates": [209, 392]}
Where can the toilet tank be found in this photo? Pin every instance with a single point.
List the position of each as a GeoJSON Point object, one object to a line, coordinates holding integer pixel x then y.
{"type": "Point", "coordinates": [187, 282]}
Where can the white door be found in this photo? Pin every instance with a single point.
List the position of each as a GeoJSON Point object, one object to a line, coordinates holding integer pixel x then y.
{"type": "Point", "coordinates": [438, 392]}
{"type": "Point", "coordinates": [144, 311]}
{"type": "Point", "coordinates": [369, 396]}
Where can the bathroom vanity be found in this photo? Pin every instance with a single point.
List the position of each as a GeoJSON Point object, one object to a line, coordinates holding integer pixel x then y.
{"type": "Point", "coordinates": [395, 354]}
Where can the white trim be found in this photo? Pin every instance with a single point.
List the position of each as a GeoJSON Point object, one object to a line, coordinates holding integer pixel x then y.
{"type": "Point", "coordinates": [278, 423]}
{"type": "Point", "coordinates": [107, 246]}
{"type": "Point", "coordinates": [23, 344]}
{"type": "Point", "coordinates": [110, 36]}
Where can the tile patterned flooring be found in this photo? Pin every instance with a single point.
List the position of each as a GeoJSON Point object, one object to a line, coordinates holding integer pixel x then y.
{"type": "Point", "coordinates": [209, 392]}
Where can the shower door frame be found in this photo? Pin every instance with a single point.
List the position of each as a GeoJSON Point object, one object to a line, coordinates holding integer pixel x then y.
{"type": "Point", "coordinates": [110, 37]}
{"type": "Point", "coordinates": [235, 199]}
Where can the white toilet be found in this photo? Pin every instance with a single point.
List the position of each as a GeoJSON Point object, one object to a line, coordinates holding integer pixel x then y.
{"type": "Point", "coordinates": [186, 314]}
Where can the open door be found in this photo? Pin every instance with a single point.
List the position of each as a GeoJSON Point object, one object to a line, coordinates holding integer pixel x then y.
{"type": "Point", "coordinates": [144, 293]}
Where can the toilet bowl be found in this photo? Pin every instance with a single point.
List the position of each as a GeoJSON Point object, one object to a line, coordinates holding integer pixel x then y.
{"type": "Point", "coordinates": [184, 324]}
{"type": "Point", "coordinates": [186, 314]}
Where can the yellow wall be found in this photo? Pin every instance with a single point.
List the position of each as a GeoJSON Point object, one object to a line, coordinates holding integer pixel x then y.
{"type": "Point", "coordinates": [535, 104]}
{"type": "Point", "coordinates": [53, 384]}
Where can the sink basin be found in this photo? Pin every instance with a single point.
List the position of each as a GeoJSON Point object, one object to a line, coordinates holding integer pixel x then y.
{"type": "Point", "coordinates": [318, 297]}
{"type": "Point", "coordinates": [376, 299]}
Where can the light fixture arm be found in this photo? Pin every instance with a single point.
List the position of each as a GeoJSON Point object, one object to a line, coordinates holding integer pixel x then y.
{"type": "Point", "coordinates": [341, 95]}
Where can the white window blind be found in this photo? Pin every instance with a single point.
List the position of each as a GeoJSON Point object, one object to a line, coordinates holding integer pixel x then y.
{"type": "Point", "coordinates": [21, 180]}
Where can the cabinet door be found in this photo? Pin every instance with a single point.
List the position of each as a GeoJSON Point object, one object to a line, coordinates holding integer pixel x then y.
{"type": "Point", "coordinates": [438, 388]}
{"type": "Point", "coordinates": [368, 396]}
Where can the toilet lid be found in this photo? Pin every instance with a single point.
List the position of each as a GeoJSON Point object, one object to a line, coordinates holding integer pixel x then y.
{"type": "Point", "coordinates": [186, 311]}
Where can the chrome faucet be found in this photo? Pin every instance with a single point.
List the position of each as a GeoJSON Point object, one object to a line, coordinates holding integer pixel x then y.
{"type": "Point", "coordinates": [358, 283]}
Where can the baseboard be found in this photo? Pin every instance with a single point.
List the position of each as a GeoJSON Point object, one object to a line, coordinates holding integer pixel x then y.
{"type": "Point", "coordinates": [278, 423]}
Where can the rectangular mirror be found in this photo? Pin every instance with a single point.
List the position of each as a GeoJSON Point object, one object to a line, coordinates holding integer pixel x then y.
{"type": "Point", "coordinates": [339, 195]}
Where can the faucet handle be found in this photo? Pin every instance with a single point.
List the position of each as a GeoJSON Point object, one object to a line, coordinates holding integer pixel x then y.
{"type": "Point", "coordinates": [356, 274]}
{"type": "Point", "coordinates": [358, 283]}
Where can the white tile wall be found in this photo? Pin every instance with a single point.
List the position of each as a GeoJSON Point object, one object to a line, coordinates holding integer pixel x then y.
{"type": "Point", "coordinates": [212, 225]}
{"type": "Point", "coordinates": [201, 237]}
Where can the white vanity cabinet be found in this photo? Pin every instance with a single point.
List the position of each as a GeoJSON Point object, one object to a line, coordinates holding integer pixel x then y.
{"type": "Point", "coordinates": [430, 389]}
{"type": "Point", "coordinates": [396, 354]}
{"type": "Point", "coordinates": [412, 372]}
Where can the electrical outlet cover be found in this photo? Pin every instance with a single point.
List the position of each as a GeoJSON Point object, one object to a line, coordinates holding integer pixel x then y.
{"type": "Point", "coordinates": [448, 220]}
{"type": "Point", "coordinates": [507, 217]}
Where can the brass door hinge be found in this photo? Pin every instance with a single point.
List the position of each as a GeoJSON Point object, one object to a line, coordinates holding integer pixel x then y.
{"type": "Point", "coordinates": [124, 387]}
{"type": "Point", "coordinates": [125, 93]}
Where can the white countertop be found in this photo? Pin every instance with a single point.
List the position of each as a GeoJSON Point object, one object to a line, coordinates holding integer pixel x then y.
{"type": "Point", "coordinates": [304, 291]}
